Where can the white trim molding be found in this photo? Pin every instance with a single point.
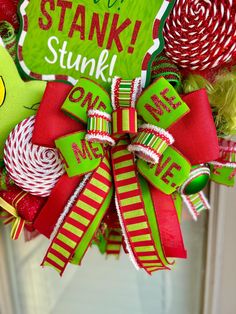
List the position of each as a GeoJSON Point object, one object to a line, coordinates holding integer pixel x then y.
{"type": "Point", "coordinates": [220, 279]}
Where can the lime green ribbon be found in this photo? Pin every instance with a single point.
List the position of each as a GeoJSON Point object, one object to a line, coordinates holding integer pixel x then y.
{"type": "Point", "coordinates": [159, 106]}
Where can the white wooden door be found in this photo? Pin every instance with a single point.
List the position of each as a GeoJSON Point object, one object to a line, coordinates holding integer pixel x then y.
{"type": "Point", "coordinates": [109, 286]}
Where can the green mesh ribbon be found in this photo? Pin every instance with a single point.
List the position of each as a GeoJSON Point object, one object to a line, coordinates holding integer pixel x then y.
{"type": "Point", "coordinates": [8, 36]}
{"type": "Point", "coordinates": [164, 67]}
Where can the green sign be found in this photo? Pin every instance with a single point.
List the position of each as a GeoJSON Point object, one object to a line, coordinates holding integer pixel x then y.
{"type": "Point", "coordinates": [97, 39]}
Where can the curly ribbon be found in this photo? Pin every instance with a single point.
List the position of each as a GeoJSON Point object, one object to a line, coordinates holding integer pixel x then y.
{"type": "Point", "coordinates": [190, 191]}
{"type": "Point", "coordinates": [164, 67]}
{"type": "Point", "coordinates": [9, 214]}
{"type": "Point", "coordinates": [148, 211]}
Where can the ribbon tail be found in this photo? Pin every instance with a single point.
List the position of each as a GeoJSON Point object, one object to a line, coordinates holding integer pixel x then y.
{"type": "Point", "coordinates": [196, 203]}
{"type": "Point", "coordinates": [46, 220]}
{"type": "Point", "coordinates": [114, 242]}
{"type": "Point", "coordinates": [17, 228]}
{"type": "Point", "coordinates": [169, 224]}
{"type": "Point", "coordinates": [135, 216]}
{"type": "Point", "coordinates": [10, 215]}
{"type": "Point", "coordinates": [77, 230]}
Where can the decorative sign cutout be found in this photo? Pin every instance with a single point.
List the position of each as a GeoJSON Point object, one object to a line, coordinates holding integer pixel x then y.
{"type": "Point", "coordinates": [98, 39]}
{"type": "Point", "coordinates": [18, 99]}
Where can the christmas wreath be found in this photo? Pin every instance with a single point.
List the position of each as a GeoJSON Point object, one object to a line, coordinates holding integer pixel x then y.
{"type": "Point", "coordinates": [107, 129]}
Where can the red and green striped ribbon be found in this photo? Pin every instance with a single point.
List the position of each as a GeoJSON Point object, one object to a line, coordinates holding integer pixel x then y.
{"type": "Point", "coordinates": [196, 203]}
{"type": "Point", "coordinates": [78, 228]}
{"type": "Point", "coordinates": [150, 143]}
{"type": "Point", "coordinates": [135, 218]}
{"type": "Point", "coordinates": [99, 127]}
{"type": "Point", "coordinates": [114, 242]}
{"type": "Point", "coordinates": [124, 121]}
{"type": "Point", "coordinates": [125, 92]}
{"type": "Point", "coordinates": [98, 123]}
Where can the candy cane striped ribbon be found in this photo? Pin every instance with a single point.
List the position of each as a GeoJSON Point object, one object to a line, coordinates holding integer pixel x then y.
{"type": "Point", "coordinates": [79, 226]}
{"type": "Point", "coordinates": [132, 212]}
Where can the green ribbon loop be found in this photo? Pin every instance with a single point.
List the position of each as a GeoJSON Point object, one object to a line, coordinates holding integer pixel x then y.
{"type": "Point", "coordinates": [161, 105]}
{"type": "Point", "coordinates": [79, 156]}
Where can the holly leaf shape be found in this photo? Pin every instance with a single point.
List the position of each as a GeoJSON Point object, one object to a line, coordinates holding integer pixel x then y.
{"type": "Point", "coordinates": [18, 99]}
